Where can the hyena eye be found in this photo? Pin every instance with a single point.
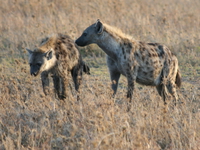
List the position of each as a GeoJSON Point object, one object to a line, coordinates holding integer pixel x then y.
{"type": "Point", "coordinates": [38, 64]}
{"type": "Point", "coordinates": [84, 34]}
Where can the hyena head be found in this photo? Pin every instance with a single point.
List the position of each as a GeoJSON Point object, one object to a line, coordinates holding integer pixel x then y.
{"type": "Point", "coordinates": [41, 61]}
{"type": "Point", "coordinates": [91, 34]}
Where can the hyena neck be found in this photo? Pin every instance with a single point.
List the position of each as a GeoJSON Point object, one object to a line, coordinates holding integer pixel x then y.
{"type": "Point", "coordinates": [51, 63]}
{"type": "Point", "coordinates": [109, 45]}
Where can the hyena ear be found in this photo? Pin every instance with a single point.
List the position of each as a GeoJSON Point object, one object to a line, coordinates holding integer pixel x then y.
{"type": "Point", "coordinates": [49, 54]}
{"type": "Point", "coordinates": [29, 51]}
{"type": "Point", "coordinates": [99, 27]}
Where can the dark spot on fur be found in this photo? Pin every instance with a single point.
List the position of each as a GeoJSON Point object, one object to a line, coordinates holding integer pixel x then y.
{"type": "Point", "coordinates": [139, 69]}
{"type": "Point", "coordinates": [136, 54]}
{"type": "Point", "coordinates": [153, 44]}
{"type": "Point", "coordinates": [149, 68]}
{"type": "Point", "coordinates": [152, 49]}
{"type": "Point", "coordinates": [128, 50]}
{"type": "Point", "coordinates": [143, 57]}
{"type": "Point", "coordinates": [161, 51]}
{"type": "Point", "coordinates": [151, 75]}
{"type": "Point", "coordinates": [134, 68]}
{"type": "Point", "coordinates": [154, 55]}
{"type": "Point", "coordinates": [123, 50]}
{"type": "Point", "coordinates": [145, 73]}
{"type": "Point", "coordinates": [142, 43]}
{"type": "Point", "coordinates": [130, 45]}
{"type": "Point", "coordinates": [160, 47]}
{"type": "Point", "coordinates": [127, 70]}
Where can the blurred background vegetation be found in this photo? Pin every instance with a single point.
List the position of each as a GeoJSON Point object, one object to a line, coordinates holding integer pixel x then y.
{"type": "Point", "coordinates": [175, 23]}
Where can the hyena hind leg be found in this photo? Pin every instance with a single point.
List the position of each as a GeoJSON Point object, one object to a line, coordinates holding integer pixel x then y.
{"type": "Point", "coordinates": [131, 85]}
{"type": "Point", "coordinates": [77, 78]}
{"type": "Point", "coordinates": [172, 90]}
{"type": "Point", "coordinates": [160, 88]}
{"type": "Point", "coordinates": [130, 93]}
{"type": "Point", "coordinates": [164, 89]}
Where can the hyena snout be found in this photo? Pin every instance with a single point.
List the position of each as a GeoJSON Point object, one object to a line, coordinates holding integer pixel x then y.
{"type": "Point", "coordinates": [83, 40]}
{"type": "Point", "coordinates": [80, 42]}
{"type": "Point", "coordinates": [35, 69]}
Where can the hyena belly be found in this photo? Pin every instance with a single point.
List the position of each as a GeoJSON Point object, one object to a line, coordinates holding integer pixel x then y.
{"type": "Point", "coordinates": [151, 77]}
{"type": "Point", "coordinates": [149, 74]}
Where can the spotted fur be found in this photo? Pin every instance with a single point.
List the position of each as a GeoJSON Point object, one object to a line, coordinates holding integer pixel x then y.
{"type": "Point", "coordinates": [58, 56]}
{"type": "Point", "coordinates": [151, 64]}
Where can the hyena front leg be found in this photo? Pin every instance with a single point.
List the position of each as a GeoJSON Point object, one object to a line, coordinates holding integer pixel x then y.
{"type": "Point", "coordinates": [131, 75]}
{"type": "Point", "coordinates": [114, 76]}
{"type": "Point", "coordinates": [57, 86]}
{"type": "Point", "coordinates": [45, 82]}
{"type": "Point", "coordinates": [77, 78]}
{"type": "Point", "coordinates": [63, 85]}
{"type": "Point", "coordinates": [60, 86]}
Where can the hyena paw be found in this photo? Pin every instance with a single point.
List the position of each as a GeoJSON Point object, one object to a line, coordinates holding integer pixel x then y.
{"type": "Point", "coordinates": [61, 97]}
{"type": "Point", "coordinates": [46, 91]}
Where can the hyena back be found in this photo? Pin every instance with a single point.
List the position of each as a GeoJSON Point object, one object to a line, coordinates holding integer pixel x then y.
{"type": "Point", "coordinates": [58, 56]}
{"type": "Point", "coordinates": [150, 64]}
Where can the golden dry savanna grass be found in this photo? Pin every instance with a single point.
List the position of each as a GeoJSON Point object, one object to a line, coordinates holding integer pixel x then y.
{"type": "Point", "coordinates": [31, 121]}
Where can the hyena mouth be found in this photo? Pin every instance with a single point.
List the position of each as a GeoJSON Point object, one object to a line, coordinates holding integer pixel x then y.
{"type": "Point", "coordinates": [34, 74]}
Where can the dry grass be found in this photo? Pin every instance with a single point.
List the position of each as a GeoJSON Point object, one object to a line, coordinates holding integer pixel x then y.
{"type": "Point", "coordinates": [30, 120]}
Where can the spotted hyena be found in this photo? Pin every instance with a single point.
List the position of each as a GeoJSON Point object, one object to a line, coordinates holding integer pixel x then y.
{"type": "Point", "coordinates": [58, 56]}
{"type": "Point", "coordinates": [150, 64]}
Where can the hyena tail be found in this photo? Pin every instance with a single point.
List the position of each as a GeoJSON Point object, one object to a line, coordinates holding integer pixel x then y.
{"type": "Point", "coordinates": [178, 79]}
{"type": "Point", "coordinates": [86, 68]}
